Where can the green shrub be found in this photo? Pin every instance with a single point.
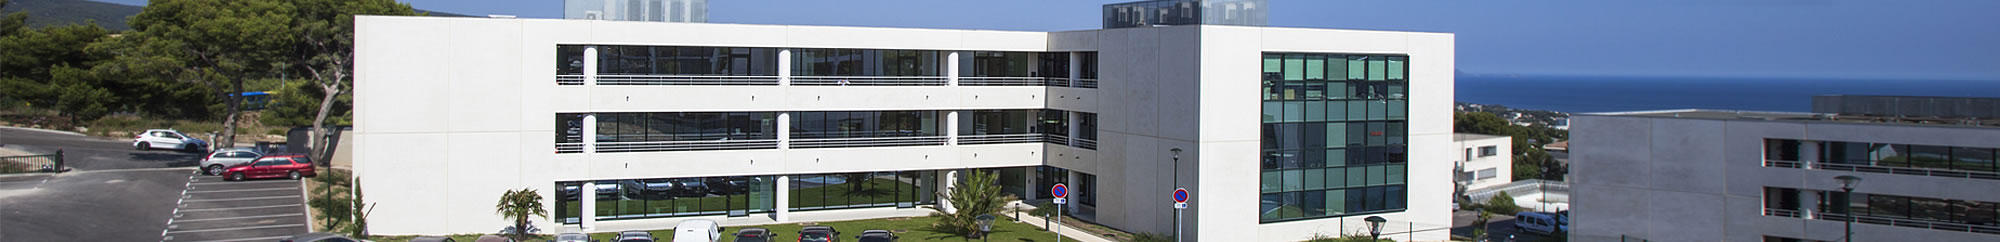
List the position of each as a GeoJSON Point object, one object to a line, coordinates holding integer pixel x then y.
{"type": "Point", "coordinates": [1151, 237]}
{"type": "Point", "coordinates": [1502, 204]}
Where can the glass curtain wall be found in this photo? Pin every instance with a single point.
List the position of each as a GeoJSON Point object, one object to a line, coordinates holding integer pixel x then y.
{"type": "Point", "coordinates": [677, 126]}
{"type": "Point", "coordinates": [569, 59]}
{"type": "Point", "coordinates": [1907, 207]}
{"type": "Point", "coordinates": [866, 124]}
{"type": "Point", "coordinates": [1013, 64]}
{"type": "Point", "coordinates": [999, 122]}
{"type": "Point", "coordinates": [863, 190]}
{"type": "Point", "coordinates": [669, 197]}
{"type": "Point", "coordinates": [685, 60]}
{"type": "Point", "coordinates": [868, 62]}
{"type": "Point", "coordinates": [1089, 62]}
{"type": "Point", "coordinates": [1047, 177]}
{"type": "Point", "coordinates": [1334, 135]}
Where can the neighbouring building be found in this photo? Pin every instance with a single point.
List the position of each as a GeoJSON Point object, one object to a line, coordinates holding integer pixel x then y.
{"type": "Point", "coordinates": [1488, 160]}
{"type": "Point", "coordinates": [1284, 132]}
{"type": "Point", "coordinates": [1926, 163]}
{"type": "Point", "coordinates": [682, 11]}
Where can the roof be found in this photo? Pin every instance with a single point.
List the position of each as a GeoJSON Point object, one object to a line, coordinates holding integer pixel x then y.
{"type": "Point", "coordinates": [1806, 117]}
{"type": "Point", "coordinates": [1564, 145]}
{"type": "Point", "coordinates": [1472, 136]}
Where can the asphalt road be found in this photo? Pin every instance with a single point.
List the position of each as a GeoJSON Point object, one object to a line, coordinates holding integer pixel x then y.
{"type": "Point", "coordinates": [117, 193]}
{"type": "Point", "coordinates": [1497, 228]}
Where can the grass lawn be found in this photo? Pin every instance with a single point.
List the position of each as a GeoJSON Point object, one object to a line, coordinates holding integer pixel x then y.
{"type": "Point", "coordinates": [907, 229]}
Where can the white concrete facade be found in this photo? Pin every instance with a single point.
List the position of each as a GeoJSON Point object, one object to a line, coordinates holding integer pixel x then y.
{"type": "Point", "coordinates": [1481, 168]}
{"type": "Point", "coordinates": [450, 112]}
{"type": "Point", "coordinates": [1653, 176]}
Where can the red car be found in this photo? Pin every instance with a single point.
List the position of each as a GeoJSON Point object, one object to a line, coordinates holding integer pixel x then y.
{"type": "Point", "coordinates": [291, 166]}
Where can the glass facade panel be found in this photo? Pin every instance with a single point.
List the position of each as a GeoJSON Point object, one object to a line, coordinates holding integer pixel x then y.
{"type": "Point", "coordinates": [569, 59]}
{"type": "Point", "coordinates": [1334, 135]}
{"type": "Point", "coordinates": [866, 124]}
{"type": "Point", "coordinates": [680, 60]}
{"type": "Point", "coordinates": [1013, 64]}
{"type": "Point", "coordinates": [862, 190]}
{"type": "Point", "coordinates": [868, 62]}
{"type": "Point", "coordinates": [671, 126]}
{"type": "Point", "coordinates": [668, 197]}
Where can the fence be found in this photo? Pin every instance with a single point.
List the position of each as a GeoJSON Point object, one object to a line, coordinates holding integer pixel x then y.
{"type": "Point", "coordinates": [1518, 188]}
{"type": "Point", "coordinates": [32, 163]}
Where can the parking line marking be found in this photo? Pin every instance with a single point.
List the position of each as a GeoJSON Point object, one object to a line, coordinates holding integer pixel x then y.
{"type": "Point", "coordinates": [244, 217]}
{"type": "Point", "coordinates": [235, 208]}
{"type": "Point", "coordinates": [237, 199]}
{"type": "Point", "coordinates": [244, 190]}
{"type": "Point", "coordinates": [249, 239]}
{"type": "Point", "coordinates": [242, 182]}
{"type": "Point", "coordinates": [239, 228]}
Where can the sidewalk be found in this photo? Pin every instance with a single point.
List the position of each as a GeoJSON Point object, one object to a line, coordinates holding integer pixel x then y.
{"type": "Point", "coordinates": [1067, 231]}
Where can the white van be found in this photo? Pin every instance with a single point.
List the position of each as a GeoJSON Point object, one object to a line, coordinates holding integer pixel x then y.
{"type": "Point", "coordinates": [1533, 222]}
{"type": "Point", "coordinates": [697, 230]}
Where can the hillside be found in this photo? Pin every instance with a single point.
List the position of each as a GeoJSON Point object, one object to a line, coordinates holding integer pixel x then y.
{"type": "Point", "coordinates": [59, 12]}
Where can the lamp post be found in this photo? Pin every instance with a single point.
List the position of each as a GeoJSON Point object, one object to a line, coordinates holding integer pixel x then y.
{"type": "Point", "coordinates": [1375, 227]}
{"type": "Point", "coordinates": [1847, 183]}
{"type": "Point", "coordinates": [985, 225]}
{"type": "Point", "coordinates": [1177, 184]}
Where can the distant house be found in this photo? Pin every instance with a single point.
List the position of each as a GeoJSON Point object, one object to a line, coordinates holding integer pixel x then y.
{"type": "Point", "coordinates": [1486, 160]}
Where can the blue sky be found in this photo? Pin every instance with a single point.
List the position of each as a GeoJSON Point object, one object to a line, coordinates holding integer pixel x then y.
{"type": "Point", "coordinates": [1925, 40]}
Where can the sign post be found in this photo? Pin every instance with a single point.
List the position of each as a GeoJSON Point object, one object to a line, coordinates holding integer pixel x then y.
{"type": "Point", "coordinates": [1180, 205]}
{"type": "Point", "coordinates": [1060, 191]}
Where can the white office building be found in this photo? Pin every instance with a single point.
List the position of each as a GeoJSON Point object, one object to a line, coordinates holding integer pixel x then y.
{"type": "Point", "coordinates": [1488, 160]}
{"type": "Point", "coordinates": [1926, 166]}
{"type": "Point", "coordinates": [1284, 132]}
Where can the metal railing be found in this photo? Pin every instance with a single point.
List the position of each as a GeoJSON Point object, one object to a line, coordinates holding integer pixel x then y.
{"type": "Point", "coordinates": [867, 142]}
{"type": "Point", "coordinates": [569, 80]}
{"type": "Point", "coordinates": [1086, 144]}
{"type": "Point", "coordinates": [1781, 163]}
{"type": "Point", "coordinates": [1003, 81]}
{"type": "Point", "coordinates": [1518, 188]}
{"type": "Point", "coordinates": [1084, 83]}
{"type": "Point", "coordinates": [655, 146]}
{"type": "Point", "coordinates": [999, 139]}
{"type": "Point", "coordinates": [870, 81]}
{"type": "Point", "coordinates": [1782, 213]}
{"type": "Point", "coordinates": [1907, 171]}
{"type": "Point", "coordinates": [32, 163]}
{"type": "Point", "coordinates": [1912, 223]}
{"type": "Point", "coordinates": [686, 80]}
{"type": "Point", "coordinates": [569, 148]}
{"type": "Point", "coordinates": [1057, 81]}
{"type": "Point", "coordinates": [1056, 139]}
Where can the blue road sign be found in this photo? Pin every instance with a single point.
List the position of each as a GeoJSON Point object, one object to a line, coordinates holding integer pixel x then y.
{"type": "Point", "coordinates": [1180, 195]}
{"type": "Point", "coordinates": [1060, 191]}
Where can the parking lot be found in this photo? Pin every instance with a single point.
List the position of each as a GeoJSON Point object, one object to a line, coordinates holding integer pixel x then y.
{"type": "Point", "coordinates": [256, 210]}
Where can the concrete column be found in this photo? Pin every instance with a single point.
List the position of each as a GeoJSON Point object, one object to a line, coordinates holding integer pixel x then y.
{"type": "Point", "coordinates": [590, 133]}
{"type": "Point", "coordinates": [1028, 190]}
{"type": "Point", "coordinates": [784, 70]}
{"type": "Point", "coordinates": [589, 211]}
{"type": "Point", "coordinates": [1073, 118]}
{"type": "Point", "coordinates": [784, 131]}
{"type": "Point", "coordinates": [950, 180]}
{"type": "Point", "coordinates": [1075, 67]}
{"type": "Point", "coordinates": [951, 64]}
{"type": "Point", "coordinates": [1808, 153]}
{"type": "Point", "coordinates": [951, 127]}
{"type": "Point", "coordinates": [1807, 203]}
{"type": "Point", "coordinates": [590, 65]}
{"type": "Point", "coordinates": [783, 212]}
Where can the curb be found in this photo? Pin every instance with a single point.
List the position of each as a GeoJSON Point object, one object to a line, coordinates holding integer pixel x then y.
{"type": "Point", "coordinates": [45, 130]}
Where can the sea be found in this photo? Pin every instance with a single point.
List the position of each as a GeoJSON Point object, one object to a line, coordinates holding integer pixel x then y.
{"type": "Point", "coordinates": [1587, 95]}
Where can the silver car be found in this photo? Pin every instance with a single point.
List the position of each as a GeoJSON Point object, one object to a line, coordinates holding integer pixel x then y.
{"type": "Point", "coordinates": [215, 162]}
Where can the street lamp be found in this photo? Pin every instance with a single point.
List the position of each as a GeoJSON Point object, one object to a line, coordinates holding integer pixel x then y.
{"type": "Point", "coordinates": [1375, 227]}
{"type": "Point", "coordinates": [1847, 183]}
{"type": "Point", "coordinates": [985, 225]}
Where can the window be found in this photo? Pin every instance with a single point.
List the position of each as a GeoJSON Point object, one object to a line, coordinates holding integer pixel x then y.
{"type": "Point", "coordinates": [1089, 62]}
{"type": "Point", "coordinates": [866, 124]}
{"type": "Point", "coordinates": [569, 59]}
{"type": "Point", "coordinates": [1012, 64]}
{"type": "Point", "coordinates": [1781, 149]}
{"type": "Point", "coordinates": [1333, 139]}
{"type": "Point", "coordinates": [867, 62]}
{"type": "Point", "coordinates": [862, 190]}
{"type": "Point", "coordinates": [686, 60]}
{"type": "Point", "coordinates": [1086, 190]}
{"type": "Point", "coordinates": [1491, 150]}
{"type": "Point", "coordinates": [999, 122]}
{"type": "Point", "coordinates": [1489, 173]}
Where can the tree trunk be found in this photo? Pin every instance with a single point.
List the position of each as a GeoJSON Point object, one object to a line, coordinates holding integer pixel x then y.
{"type": "Point", "coordinates": [323, 138]}
{"type": "Point", "coordinates": [235, 111]}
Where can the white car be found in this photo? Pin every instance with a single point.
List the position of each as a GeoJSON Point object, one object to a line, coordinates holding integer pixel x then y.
{"type": "Point", "coordinates": [215, 162]}
{"type": "Point", "coordinates": [168, 139]}
{"type": "Point", "coordinates": [697, 230]}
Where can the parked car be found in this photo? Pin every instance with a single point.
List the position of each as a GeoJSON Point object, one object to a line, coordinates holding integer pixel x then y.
{"type": "Point", "coordinates": [432, 239]}
{"type": "Point", "coordinates": [634, 236]}
{"type": "Point", "coordinates": [1533, 222]}
{"type": "Point", "coordinates": [573, 237]}
{"type": "Point", "coordinates": [492, 238]}
{"type": "Point", "coordinates": [215, 162]}
{"type": "Point", "coordinates": [1562, 221]}
{"type": "Point", "coordinates": [571, 191]}
{"type": "Point", "coordinates": [292, 166]}
{"type": "Point", "coordinates": [318, 237]}
{"type": "Point", "coordinates": [651, 188]}
{"type": "Point", "coordinates": [698, 230]}
{"type": "Point", "coordinates": [818, 234]}
{"type": "Point", "coordinates": [167, 139]}
{"type": "Point", "coordinates": [608, 190]}
{"type": "Point", "coordinates": [875, 236]}
{"type": "Point", "coordinates": [754, 235]}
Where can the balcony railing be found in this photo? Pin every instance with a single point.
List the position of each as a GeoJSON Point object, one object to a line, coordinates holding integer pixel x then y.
{"type": "Point", "coordinates": [1776, 212]}
{"type": "Point", "coordinates": [870, 80]}
{"type": "Point", "coordinates": [569, 148]}
{"type": "Point", "coordinates": [1084, 83]}
{"type": "Point", "coordinates": [567, 80]}
{"type": "Point", "coordinates": [686, 80]}
{"type": "Point", "coordinates": [1006, 81]}
{"type": "Point", "coordinates": [868, 142]}
{"type": "Point", "coordinates": [999, 139]}
{"type": "Point", "coordinates": [1912, 223]}
{"type": "Point", "coordinates": [1056, 139]}
{"type": "Point", "coordinates": [1887, 170]}
{"type": "Point", "coordinates": [1086, 144]}
{"type": "Point", "coordinates": [619, 147]}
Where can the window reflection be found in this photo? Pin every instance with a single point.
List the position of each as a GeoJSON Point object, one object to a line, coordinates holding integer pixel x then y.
{"type": "Point", "coordinates": [862, 190]}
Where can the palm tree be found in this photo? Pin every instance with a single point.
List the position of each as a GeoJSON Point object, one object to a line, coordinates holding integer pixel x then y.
{"type": "Point", "coordinates": [518, 205]}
